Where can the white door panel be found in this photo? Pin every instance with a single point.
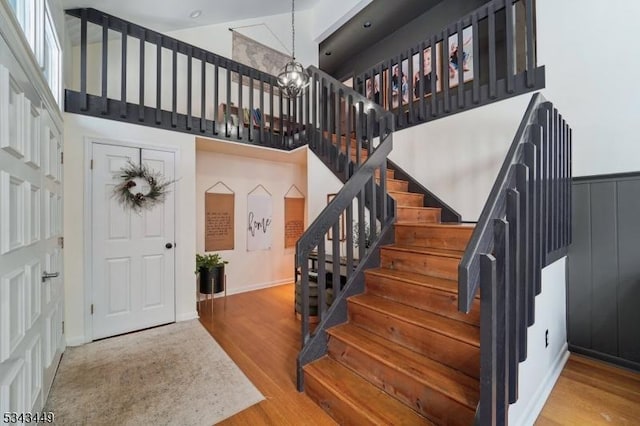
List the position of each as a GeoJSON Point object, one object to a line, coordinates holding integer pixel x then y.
{"type": "Point", "coordinates": [30, 227]}
{"type": "Point", "coordinates": [133, 272]}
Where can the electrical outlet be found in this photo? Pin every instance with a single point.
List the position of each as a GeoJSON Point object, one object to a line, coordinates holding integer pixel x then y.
{"type": "Point", "coordinates": [546, 338]}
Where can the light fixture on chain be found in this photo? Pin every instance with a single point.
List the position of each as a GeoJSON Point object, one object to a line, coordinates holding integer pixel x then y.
{"type": "Point", "coordinates": [293, 78]}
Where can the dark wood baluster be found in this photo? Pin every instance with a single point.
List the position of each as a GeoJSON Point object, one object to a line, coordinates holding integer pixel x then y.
{"type": "Point", "coordinates": [411, 117]}
{"type": "Point", "coordinates": [422, 113]}
{"type": "Point", "coordinates": [335, 252]}
{"type": "Point", "coordinates": [261, 124]}
{"type": "Point", "coordinates": [323, 116]}
{"type": "Point", "coordinates": [523, 279]}
{"type": "Point", "coordinates": [502, 252]}
{"type": "Point", "coordinates": [373, 209]}
{"type": "Point", "coordinates": [141, 107]}
{"type": "Point", "coordinates": [105, 55]}
{"type": "Point", "coordinates": [174, 85]}
{"type": "Point", "coordinates": [227, 109]}
{"type": "Point", "coordinates": [493, 80]}
{"type": "Point", "coordinates": [282, 120]}
{"type": "Point", "coordinates": [460, 52]}
{"type": "Point", "coordinates": [348, 138]}
{"type": "Point", "coordinates": [533, 234]}
{"type": "Point", "coordinates": [476, 59]}
{"type": "Point", "coordinates": [508, 10]}
{"type": "Point", "coordinates": [513, 293]}
{"type": "Point", "coordinates": [361, 226]}
{"type": "Point", "coordinates": [555, 196]}
{"type": "Point", "coordinates": [189, 124]}
{"type": "Point", "coordinates": [159, 80]}
{"type": "Point", "coordinates": [271, 112]}
{"type": "Point", "coordinates": [216, 97]}
{"type": "Point", "coordinates": [488, 340]}
{"type": "Point", "coordinates": [314, 112]}
{"type": "Point", "coordinates": [544, 120]}
{"type": "Point", "coordinates": [84, 99]}
{"type": "Point", "coordinates": [241, 129]}
{"type": "Point", "coordinates": [338, 134]}
{"type": "Point", "coordinates": [383, 187]}
{"type": "Point", "coordinates": [531, 48]}
{"type": "Point", "coordinates": [304, 293]}
{"type": "Point", "coordinates": [203, 93]}
{"type": "Point", "coordinates": [445, 75]}
{"type": "Point", "coordinates": [390, 87]}
{"type": "Point", "coordinates": [251, 127]}
{"type": "Point", "coordinates": [359, 135]}
{"type": "Point", "coordinates": [570, 165]}
{"type": "Point", "coordinates": [436, 68]}
{"type": "Point", "coordinates": [308, 128]}
{"type": "Point", "coordinates": [123, 71]}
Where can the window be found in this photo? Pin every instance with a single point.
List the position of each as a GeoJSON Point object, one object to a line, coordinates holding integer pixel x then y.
{"type": "Point", "coordinates": [37, 25]}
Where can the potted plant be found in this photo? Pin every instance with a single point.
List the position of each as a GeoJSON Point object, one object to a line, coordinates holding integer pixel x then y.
{"type": "Point", "coordinates": [210, 267]}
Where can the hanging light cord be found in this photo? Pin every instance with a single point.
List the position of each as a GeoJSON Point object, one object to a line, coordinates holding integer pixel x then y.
{"type": "Point", "coordinates": [293, 31]}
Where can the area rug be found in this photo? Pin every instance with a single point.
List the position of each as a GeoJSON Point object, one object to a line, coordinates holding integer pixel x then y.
{"type": "Point", "coordinates": [171, 375]}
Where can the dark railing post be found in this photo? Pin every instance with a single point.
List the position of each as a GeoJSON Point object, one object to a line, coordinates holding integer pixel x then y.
{"type": "Point", "coordinates": [83, 60]}
{"type": "Point", "coordinates": [141, 106]}
{"type": "Point", "coordinates": [508, 10]}
{"type": "Point", "coordinates": [105, 57]}
{"type": "Point", "coordinates": [123, 72]}
{"type": "Point", "coordinates": [460, 54]}
{"type": "Point", "coordinates": [159, 80]}
{"type": "Point", "coordinates": [489, 340]}
{"type": "Point", "coordinates": [189, 123]}
{"type": "Point", "coordinates": [503, 261]}
{"type": "Point", "coordinates": [203, 93]}
{"type": "Point", "coordinates": [493, 80]}
{"type": "Point", "coordinates": [530, 44]}
{"type": "Point", "coordinates": [174, 85]}
{"type": "Point", "coordinates": [476, 59]}
{"type": "Point", "coordinates": [513, 286]}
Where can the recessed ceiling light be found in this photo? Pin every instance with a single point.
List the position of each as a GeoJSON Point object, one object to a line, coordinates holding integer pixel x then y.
{"type": "Point", "coordinates": [195, 14]}
{"type": "Point", "coordinates": [328, 53]}
{"type": "Point", "coordinates": [366, 24]}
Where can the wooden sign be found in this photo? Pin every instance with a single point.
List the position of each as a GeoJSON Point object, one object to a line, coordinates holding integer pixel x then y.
{"type": "Point", "coordinates": [218, 222]}
{"type": "Point", "coordinates": [259, 219]}
{"type": "Point", "coordinates": [293, 220]}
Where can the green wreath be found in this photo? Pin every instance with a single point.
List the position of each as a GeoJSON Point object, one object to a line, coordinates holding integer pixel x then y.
{"type": "Point", "coordinates": [127, 195]}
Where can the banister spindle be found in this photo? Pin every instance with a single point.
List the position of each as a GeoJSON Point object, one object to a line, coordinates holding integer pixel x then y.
{"type": "Point", "coordinates": [159, 80]}
{"type": "Point", "coordinates": [105, 57]}
{"type": "Point", "coordinates": [189, 123]}
{"type": "Point", "coordinates": [83, 60]}
{"type": "Point", "coordinates": [488, 339]}
{"type": "Point", "coordinates": [530, 43]}
{"type": "Point", "coordinates": [512, 287]}
{"type": "Point", "coordinates": [216, 97]}
{"type": "Point", "coordinates": [493, 80]}
{"type": "Point", "coordinates": [475, 96]}
{"type": "Point", "coordinates": [174, 85]}
{"type": "Point", "coordinates": [502, 252]}
{"type": "Point", "coordinates": [445, 76]}
{"type": "Point", "coordinates": [460, 53]}
{"type": "Point", "coordinates": [509, 10]}
{"type": "Point", "coordinates": [203, 93]}
{"type": "Point", "coordinates": [141, 107]}
{"type": "Point", "coordinates": [123, 72]}
{"type": "Point", "coordinates": [524, 280]}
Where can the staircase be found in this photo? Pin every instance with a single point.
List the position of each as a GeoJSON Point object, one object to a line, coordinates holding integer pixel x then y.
{"type": "Point", "coordinates": [406, 354]}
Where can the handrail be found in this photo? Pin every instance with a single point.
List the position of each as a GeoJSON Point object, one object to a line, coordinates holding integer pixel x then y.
{"type": "Point", "coordinates": [524, 226]}
{"type": "Point", "coordinates": [507, 68]}
{"type": "Point", "coordinates": [343, 121]}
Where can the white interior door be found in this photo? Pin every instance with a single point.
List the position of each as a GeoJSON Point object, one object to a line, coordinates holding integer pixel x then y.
{"type": "Point", "coordinates": [133, 253]}
{"type": "Point", "coordinates": [31, 305]}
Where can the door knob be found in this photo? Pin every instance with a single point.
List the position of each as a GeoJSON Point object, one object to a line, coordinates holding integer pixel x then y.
{"type": "Point", "coordinates": [47, 275]}
{"type": "Point", "coordinates": [169, 245]}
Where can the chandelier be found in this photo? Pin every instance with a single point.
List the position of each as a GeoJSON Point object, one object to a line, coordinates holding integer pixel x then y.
{"type": "Point", "coordinates": [293, 78]}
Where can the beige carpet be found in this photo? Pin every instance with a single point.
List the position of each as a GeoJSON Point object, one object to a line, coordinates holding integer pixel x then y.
{"type": "Point", "coordinates": [171, 375]}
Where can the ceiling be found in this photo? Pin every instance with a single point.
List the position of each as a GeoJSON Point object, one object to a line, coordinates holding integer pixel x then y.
{"type": "Point", "coordinates": [169, 15]}
{"type": "Point", "coordinates": [385, 17]}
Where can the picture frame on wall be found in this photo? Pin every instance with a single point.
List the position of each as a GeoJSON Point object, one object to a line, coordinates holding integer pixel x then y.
{"type": "Point", "coordinates": [372, 89]}
{"type": "Point", "coordinates": [400, 84]}
{"type": "Point", "coordinates": [467, 57]}
{"type": "Point", "coordinates": [427, 74]}
{"type": "Point", "coordinates": [343, 230]}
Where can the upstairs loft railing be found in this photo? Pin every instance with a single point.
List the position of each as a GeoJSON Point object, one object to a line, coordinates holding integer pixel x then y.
{"type": "Point", "coordinates": [524, 226]}
{"type": "Point", "coordinates": [133, 74]}
{"type": "Point", "coordinates": [356, 136]}
{"type": "Point", "coordinates": [498, 59]}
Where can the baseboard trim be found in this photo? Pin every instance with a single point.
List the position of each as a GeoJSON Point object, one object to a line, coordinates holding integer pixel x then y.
{"type": "Point", "coordinates": [538, 400]}
{"type": "Point", "coordinates": [75, 341]}
{"type": "Point", "coordinates": [188, 316]}
{"type": "Point", "coordinates": [254, 287]}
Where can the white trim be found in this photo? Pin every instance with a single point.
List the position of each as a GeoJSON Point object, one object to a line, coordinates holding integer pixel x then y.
{"type": "Point", "coordinates": [533, 409]}
{"type": "Point", "coordinates": [88, 142]}
{"type": "Point", "coordinates": [76, 341]}
{"type": "Point", "coordinates": [258, 286]}
{"type": "Point", "coordinates": [188, 316]}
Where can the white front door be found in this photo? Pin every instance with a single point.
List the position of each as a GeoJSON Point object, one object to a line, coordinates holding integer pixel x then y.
{"type": "Point", "coordinates": [31, 304]}
{"type": "Point", "coordinates": [133, 252]}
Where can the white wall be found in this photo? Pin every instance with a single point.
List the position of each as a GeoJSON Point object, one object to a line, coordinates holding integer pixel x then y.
{"type": "Point", "coordinates": [543, 366]}
{"type": "Point", "coordinates": [79, 131]}
{"type": "Point", "coordinates": [329, 15]}
{"type": "Point", "coordinates": [256, 269]}
{"type": "Point", "coordinates": [458, 157]}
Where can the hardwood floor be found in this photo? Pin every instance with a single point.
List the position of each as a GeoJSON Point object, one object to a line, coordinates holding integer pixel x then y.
{"type": "Point", "coordinates": [260, 333]}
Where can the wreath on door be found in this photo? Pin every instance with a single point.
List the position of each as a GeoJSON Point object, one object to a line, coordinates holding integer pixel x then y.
{"type": "Point", "coordinates": [140, 188]}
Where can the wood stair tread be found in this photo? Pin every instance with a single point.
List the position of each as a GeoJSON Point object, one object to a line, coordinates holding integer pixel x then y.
{"type": "Point", "coordinates": [415, 194]}
{"type": "Point", "coordinates": [453, 329]}
{"type": "Point", "coordinates": [446, 380]}
{"type": "Point", "coordinates": [442, 284]}
{"type": "Point", "coordinates": [361, 396]}
{"type": "Point", "coordinates": [456, 254]}
{"type": "Point", "coordinates": [445, 225]}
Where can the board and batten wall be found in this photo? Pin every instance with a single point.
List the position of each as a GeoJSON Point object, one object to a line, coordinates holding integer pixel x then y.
{"type": "Point", "coordinates": [604, 269]}
{"type": "Point", "coordinates": [251, 270]}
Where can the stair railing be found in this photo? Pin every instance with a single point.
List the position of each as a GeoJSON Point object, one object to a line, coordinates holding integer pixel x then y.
{"type": "Point", "coordinates": [148, 78]}
{"type": "Point", "coordinates": [361, 214]}
{"type": "Point", "coordinates": [499, 55]}
{"type": "Point", "coordinates": [524, 226]}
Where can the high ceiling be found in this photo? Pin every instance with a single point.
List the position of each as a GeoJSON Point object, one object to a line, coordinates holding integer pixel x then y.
{"type": "Point", "coordinates": [169, 15]}
{"type": "Point", "coordinates": [385, 16]}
